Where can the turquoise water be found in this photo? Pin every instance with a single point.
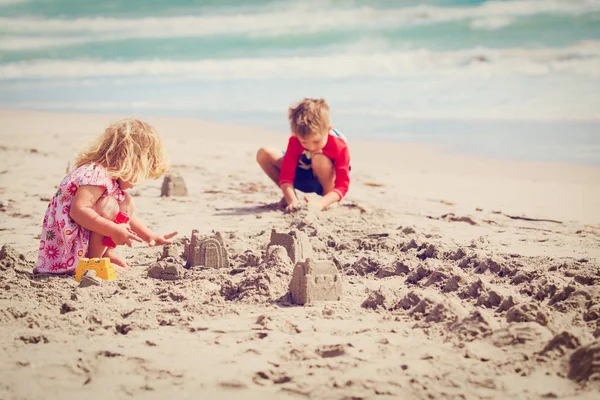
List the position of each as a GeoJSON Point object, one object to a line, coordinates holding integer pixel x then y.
{"type": "Point", "coordinates": [516, 79]}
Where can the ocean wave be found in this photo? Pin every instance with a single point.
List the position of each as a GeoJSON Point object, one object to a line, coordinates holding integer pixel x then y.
{"type": "Point", "coordinates": [491, 23]}
{"type": "Point", "coordinates": [20, 43]}
{"type": "Point", "coordinates": [580, 59]}
{"type": "Point", "coordinates": [291, 19]}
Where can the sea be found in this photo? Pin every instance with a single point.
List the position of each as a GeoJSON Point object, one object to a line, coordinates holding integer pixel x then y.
{"type": "Point", "coordinates": [514, 79]}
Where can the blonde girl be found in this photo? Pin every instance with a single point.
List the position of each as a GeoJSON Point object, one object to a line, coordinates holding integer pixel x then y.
{"type": "Point", "coordinates": [91, 212]}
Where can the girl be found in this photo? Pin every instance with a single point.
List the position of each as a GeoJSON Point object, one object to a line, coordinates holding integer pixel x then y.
{"type": "Point", "coordinates": [91, 210]}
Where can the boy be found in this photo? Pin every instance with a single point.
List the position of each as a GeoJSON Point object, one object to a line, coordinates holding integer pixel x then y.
{"type": "Point", "coordinates": [317, 159]}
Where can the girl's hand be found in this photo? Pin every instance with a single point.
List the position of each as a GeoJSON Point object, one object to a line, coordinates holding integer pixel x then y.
{"type": "Point", "coordinates": [124, 235]}
{"type": "Point", "coordinates": [156, 240]}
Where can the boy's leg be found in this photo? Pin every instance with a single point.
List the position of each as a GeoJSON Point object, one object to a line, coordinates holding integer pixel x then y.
{"type": "Point", "coordinates": [323, 169]}
{"type": "Point", "coordinates": [270, 161]}
{"type": "Point", "coordinates": [107, 207]}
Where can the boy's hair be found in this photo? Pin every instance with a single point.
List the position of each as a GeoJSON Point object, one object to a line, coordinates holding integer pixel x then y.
{"type": "Point", "coordinates": [310, 116]}
{"type": "Point", "coordinates": [128, 149]}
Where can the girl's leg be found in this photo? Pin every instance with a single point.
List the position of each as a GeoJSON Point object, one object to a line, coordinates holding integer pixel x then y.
{"type": "Point", "coordinates": [270, 161]}
{"type": "Point", "coordinates": [107, 207]}
{"type": "Point", "coordinates": [127, 207]}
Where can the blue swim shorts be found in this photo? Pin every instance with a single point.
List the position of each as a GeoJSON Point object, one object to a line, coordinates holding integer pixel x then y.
{"type": "Point", "coordinates": [306, 182]}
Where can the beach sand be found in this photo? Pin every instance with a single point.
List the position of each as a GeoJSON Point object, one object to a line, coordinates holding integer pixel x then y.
{"type": "Point", "coordinates": [462, 277]}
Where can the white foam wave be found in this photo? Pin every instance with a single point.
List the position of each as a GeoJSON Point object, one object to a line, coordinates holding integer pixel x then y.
{"type": "Point", "coordinates": [20, 43]}
{"type": "Point", "coordinates": [290, 20]}
{"type": "Point", "coordinates": [579, 60]}
{"type": "Point", "coordinates": [491, 23]}
{"type": "Point", "coordinates": [10, 2]}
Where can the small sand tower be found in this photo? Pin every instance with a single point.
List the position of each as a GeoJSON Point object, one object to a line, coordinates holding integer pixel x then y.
{"type": "Point", "coordinates": [209, 252]}
{"type": "Point", "coordinates": [173, 185]}
{"type": "Point", "coordinates": [295, 242]}
{"type": "Point", "coordinates": [315, 281]}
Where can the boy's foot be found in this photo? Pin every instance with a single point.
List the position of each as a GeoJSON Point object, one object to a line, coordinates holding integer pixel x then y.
{"type": "Point", "coordinates": [115, 258]}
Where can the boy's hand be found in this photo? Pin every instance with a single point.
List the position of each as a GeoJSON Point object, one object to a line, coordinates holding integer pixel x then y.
{"type": "Point", "coordinates": [327, 202]}
{"type": "Point", "coordinates": [315, 206]}
{"type": "Point", "coordinates": [156, 240]}
{"type": "Point", "coordinates": [294, 205]}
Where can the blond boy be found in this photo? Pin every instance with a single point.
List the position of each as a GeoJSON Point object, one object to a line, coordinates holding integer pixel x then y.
{"type": "Point", "coordinates": [317, 159]}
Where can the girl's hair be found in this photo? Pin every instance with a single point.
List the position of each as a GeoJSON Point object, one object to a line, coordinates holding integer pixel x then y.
{"type": "Point", "coordinates": [128, 149]}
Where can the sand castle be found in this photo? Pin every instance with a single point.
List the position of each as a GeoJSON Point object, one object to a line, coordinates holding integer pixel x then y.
{"type": "Point", "coordinates": [295, 242]}
{"type": "Point", "coordinates": [315, 281]}
{"type": "Point", "coordinates": [209, 252]}
{"type": "Point", "coordinates": [167, 269]}
{"type": "Point", "coordinates": [173, 185]}
{"type": "Point", "coordinates": [90, 278]}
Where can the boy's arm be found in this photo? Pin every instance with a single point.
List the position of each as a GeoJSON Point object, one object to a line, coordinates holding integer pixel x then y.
{"type": "Point", "coordinates": [288, 193]}
{"type": "Point", "coordinates": [288, 169]}
{"type": "Point", "coordinates": [328, 199]}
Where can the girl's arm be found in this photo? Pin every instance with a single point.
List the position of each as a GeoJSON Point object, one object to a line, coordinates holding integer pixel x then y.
{"type": "Point", "coordinates": [83, 213]}
{"type": "Point", "coordinates": [140, 228]}
{"type": "Point", "coordinates": [146, 233]}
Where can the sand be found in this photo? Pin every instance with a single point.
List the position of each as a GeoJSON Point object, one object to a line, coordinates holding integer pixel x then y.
{"type": "Point", "coordinates": [462, 277]}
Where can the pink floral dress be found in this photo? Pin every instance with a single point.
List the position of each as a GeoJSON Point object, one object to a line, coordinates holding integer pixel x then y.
{"type": "Point", "coordinates": [63, 242]}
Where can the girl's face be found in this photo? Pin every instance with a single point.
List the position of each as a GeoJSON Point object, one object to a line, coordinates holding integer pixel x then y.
{"type": "Point", "coordinates": [124, 185]}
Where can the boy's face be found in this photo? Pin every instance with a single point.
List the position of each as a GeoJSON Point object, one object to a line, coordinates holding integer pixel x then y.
{"type": "Point", "coordinates": [315, 141]}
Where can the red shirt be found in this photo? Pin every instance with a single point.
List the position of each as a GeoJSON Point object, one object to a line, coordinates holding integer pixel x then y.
{"type": "Point", "coordinates": [336, 149]}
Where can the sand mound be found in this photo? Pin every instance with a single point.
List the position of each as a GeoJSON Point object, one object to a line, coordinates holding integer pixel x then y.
{"type": "Point", "coordinates": [12, 260]}
{"type": "Point", "coordinates": [167, 269]}
{"type": "Point", "coordinates": [513, 315]}
{"type": "Point", "coordinates": [584, 363]}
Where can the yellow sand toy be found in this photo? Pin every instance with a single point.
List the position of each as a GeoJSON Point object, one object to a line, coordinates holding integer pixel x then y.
{"type": "Point", "coordinates": [102, 266]}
